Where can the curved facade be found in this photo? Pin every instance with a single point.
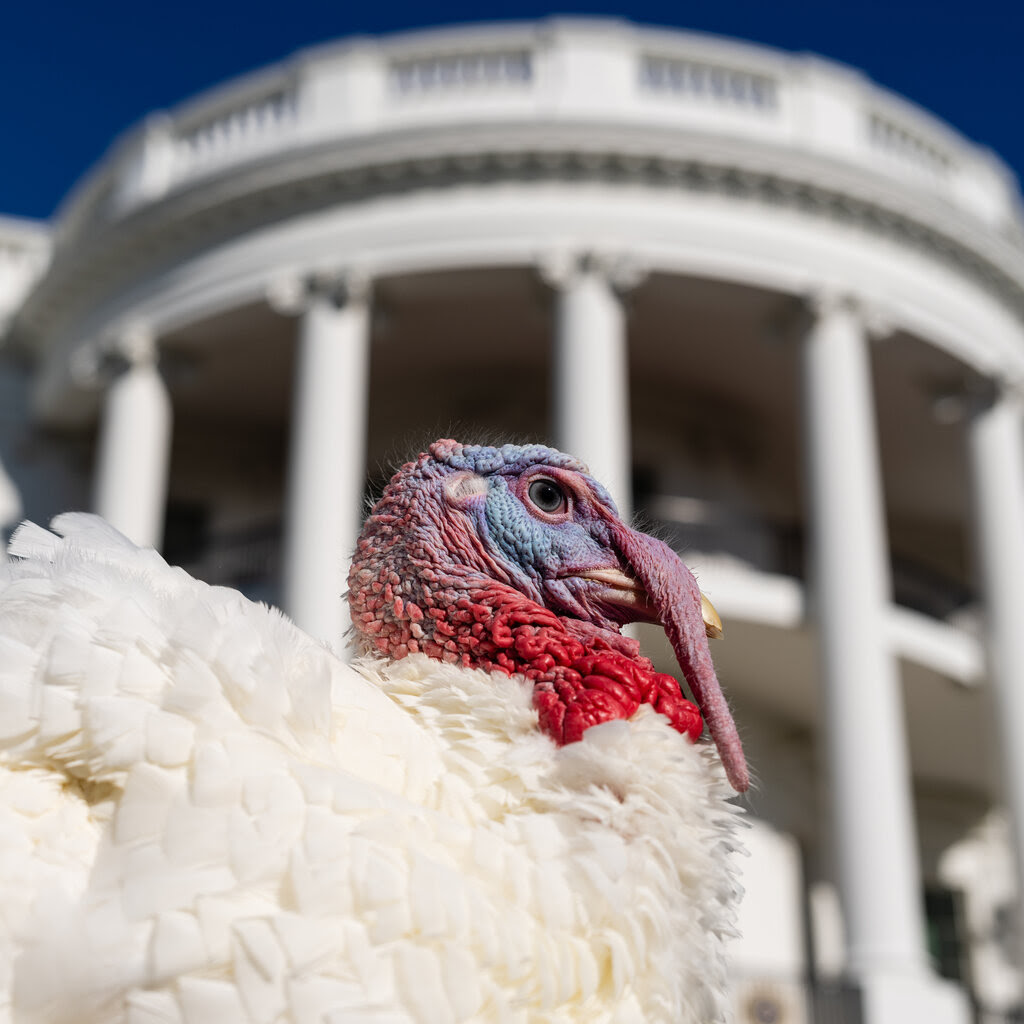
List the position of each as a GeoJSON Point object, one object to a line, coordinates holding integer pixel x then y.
{"type": "Point", "coordinates": [778, 309]}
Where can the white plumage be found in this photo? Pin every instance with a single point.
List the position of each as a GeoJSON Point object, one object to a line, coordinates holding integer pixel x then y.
{"type": "Point", "coordinates": [207, 817]}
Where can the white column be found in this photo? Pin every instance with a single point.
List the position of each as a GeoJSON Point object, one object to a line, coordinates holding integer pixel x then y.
{"type": "Point", "coordinates": [13, 413]}
{"type": "Point", "coordinates": [865, 740]}
{"type": "Point", "coordinates": [995, 438]}
{"type": "Point", "coordinates": [10, 510]}
{"type": "Point", "coordinates": [591, 374]}
{"type": "Point", "coordinates": [327, 459]}
{"type": "Point", "coordinates": [133, 454]}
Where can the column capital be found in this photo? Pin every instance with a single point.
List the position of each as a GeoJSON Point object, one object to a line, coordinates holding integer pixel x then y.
{"type": "Point", "coordinates": [136, 344]}
{"type": "Point", "coordinates": [96, 364]}
{"type": "Point", "coordinates": [291, 293]}
{"type": "Point", "coordinates": [560, 268]}
{"type": "Point", "coordinates": [967, 395]}
{"type": "Point", "coordinates": [825, 299]}
{"type": "Point", "coordinates": [1009, 388]}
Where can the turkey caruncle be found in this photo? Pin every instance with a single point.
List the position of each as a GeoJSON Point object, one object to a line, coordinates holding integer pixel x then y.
{"type": "Point", "coordinates": [206, 816]}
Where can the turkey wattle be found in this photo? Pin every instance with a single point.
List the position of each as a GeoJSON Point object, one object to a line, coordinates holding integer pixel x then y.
{"type": "Point", "coordinates": [207, 817]}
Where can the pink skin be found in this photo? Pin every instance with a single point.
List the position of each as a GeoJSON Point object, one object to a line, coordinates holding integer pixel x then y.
{"type": "Point", "coordinates": [428, 580]}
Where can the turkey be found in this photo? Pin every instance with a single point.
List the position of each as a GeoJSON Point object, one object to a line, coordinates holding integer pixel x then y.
{"type": "Point", "coordinates": [498, 812]}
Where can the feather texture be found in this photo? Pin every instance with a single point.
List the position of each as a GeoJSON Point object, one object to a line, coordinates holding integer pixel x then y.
{"type": "Point", "coordinates": [206, 817]}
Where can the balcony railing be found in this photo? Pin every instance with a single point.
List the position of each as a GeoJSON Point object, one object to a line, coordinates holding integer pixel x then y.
{"type": "Point", "coordinates": [703, 81]}
{"type": "Point", "coordinates": [548, 72]}
{"type": "Point", "coordinates": [474, 69]}
{"type": "Point", "coordinates": [903, 144]}
{"type": "Point", "coordinates": [260, 121]}
{"type": "Point", "coordinates": [770, 546]}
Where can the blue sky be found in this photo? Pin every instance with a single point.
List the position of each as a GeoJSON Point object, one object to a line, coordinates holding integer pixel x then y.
{"type": "Point", "coordinates": [75, 75]}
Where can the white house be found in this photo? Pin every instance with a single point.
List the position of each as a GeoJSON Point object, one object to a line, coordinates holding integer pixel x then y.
{"type": "Point", "coordinates": [777, 308]}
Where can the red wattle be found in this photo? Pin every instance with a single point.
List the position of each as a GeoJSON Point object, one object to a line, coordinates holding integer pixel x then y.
{"type": "Point", "coordinates": [578, 682]}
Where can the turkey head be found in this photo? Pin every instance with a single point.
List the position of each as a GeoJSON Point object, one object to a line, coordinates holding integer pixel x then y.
{"type": "Point", "coordinates": [514, 559]}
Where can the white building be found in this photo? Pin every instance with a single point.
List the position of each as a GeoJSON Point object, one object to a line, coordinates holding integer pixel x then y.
{"type": "Point", "coordinates": [779, 309]}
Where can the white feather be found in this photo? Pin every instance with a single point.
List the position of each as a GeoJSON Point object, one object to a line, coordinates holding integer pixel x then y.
{"type": "Point", "coordinates": [205, 817]}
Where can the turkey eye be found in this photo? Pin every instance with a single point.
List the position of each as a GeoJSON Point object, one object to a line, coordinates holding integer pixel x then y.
{"type": "Point", "coordinates": [547, 496]}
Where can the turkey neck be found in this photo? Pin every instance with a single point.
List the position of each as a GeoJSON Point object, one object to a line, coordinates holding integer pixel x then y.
{"type": "Point", "coordinates": [404, 600]}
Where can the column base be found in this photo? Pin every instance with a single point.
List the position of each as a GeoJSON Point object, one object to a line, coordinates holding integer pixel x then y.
{"type": "Point", "coordinates": [903, 999]}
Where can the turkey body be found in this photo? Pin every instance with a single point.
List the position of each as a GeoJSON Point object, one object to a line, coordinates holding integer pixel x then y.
{"type": "Point", "coordinates": [207, 817]}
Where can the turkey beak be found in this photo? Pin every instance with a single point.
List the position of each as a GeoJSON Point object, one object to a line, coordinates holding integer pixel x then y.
{"type": "Point", "coordinates": [712, 620]}
{"type": "Point", "coordinates": [683, 612]}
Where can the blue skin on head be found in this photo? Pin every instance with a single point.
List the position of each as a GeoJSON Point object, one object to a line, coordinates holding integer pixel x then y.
{"type": "Point", "coordinates": [538, 554]}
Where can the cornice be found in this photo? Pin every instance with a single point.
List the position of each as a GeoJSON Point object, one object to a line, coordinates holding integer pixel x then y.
{"type": "Point", "coordinates": [122, 252]}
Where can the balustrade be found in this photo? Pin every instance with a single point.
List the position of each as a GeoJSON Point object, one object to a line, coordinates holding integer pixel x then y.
{"type": "Point", "coordinates": [238, 129]}
{"type": "Point", "coordinates": [675, 80]}
{"type": "Point", "coordinates": [704, 81]}
{"type": "Point", "coordinates": [432, 73]}
{"type": "Point", "coordinates": [907, 146]}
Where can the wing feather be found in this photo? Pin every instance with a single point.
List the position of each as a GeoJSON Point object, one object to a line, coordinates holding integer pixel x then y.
{"type": "Point", "coordinates": [206, 816]}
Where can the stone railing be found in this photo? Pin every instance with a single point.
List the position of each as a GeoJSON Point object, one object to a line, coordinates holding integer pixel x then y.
{"type": "Point", "coordinates": [242, 127]}
{"type": "Point", "coordinates": [476, 69]}
{"type": "Point", "coordinates": [702, 81]}
{"type": "Point", "coordinates": [908, 146]}
{"type": "Point", "coordinates": [744, 535]}
{"type": "Point", "coordinates": [589, 73]}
